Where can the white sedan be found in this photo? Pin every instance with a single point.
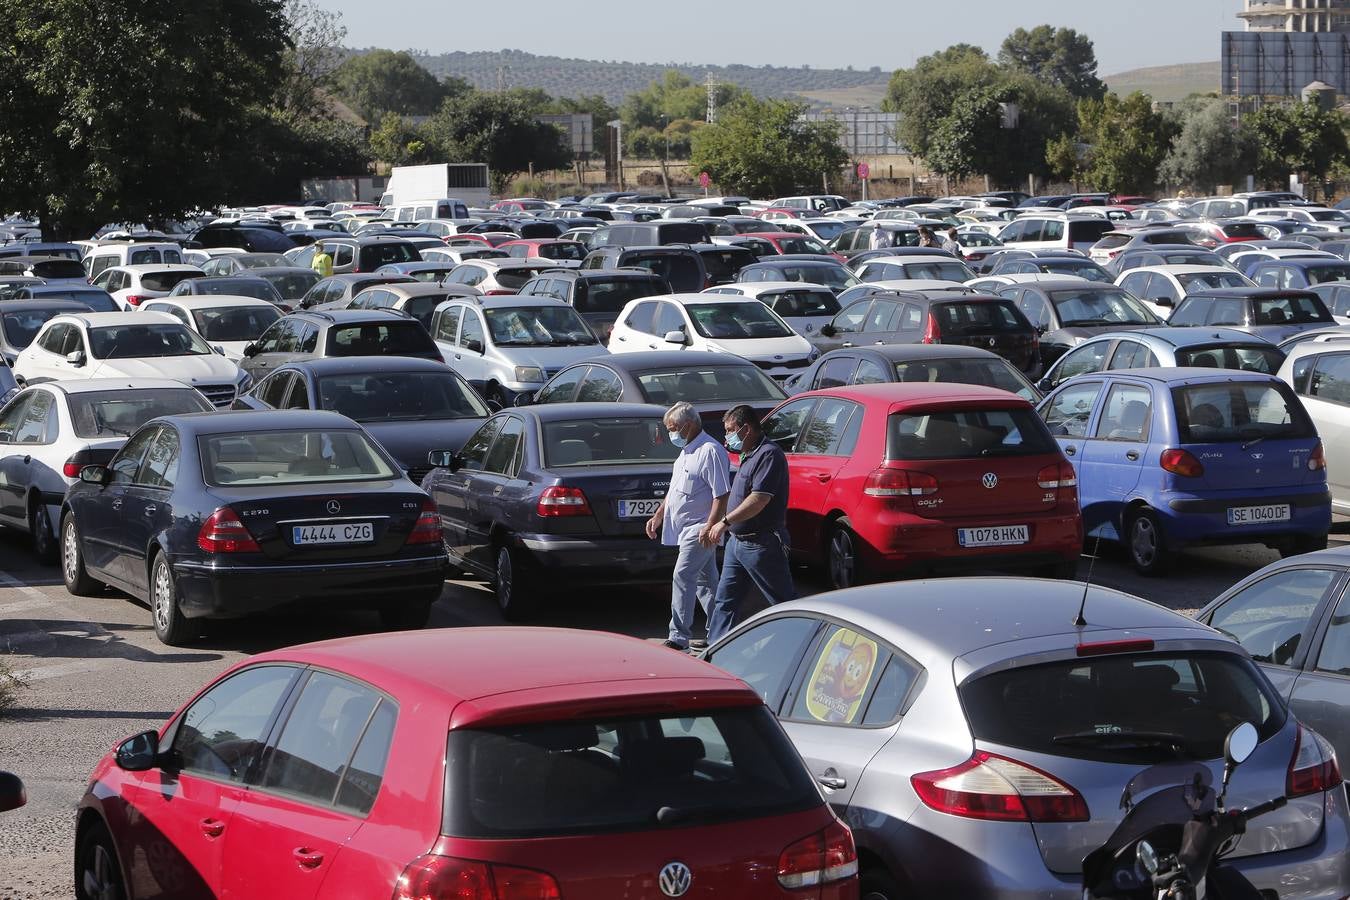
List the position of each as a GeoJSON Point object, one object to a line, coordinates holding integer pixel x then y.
{"type": "Point", "coordinates": [226, 322]}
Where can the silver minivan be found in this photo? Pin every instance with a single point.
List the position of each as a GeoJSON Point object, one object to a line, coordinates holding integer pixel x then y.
{"type": "Point", "coordinates": [978, 743]}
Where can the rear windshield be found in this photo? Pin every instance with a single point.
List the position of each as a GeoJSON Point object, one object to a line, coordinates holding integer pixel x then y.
{"type": "Point", "coordinates": [937, 270]}
{"type": "Point", "coordinates": [59, 268]}
{"type": "Point", "coordinates": [1247, 359]}
{"type": "Point", "coordinates": [515, 279]}
{"type": "Point", "coordinates": [165, 281]}
{"type": "Point", "coordinates": [22, 326]}
{"type": "Point", "coordinates": [1243, 230]}
{"type": "Point", "coordinates": [680, 270]}
{"type": "Point", "coordinates": [291, 457]}
{"type": "Point", "coordinates": [996, 373]}
{"type": "Point", "coordinates": [292, 286]}
{"type": "Point", "coordinates": [791, 245]}
{"type": "Point", "coordinates": [400, 396]}
{"type": "Point", "coordinates": [380, 339]}
{"type": "Point", "coordinates": [1112, 241]}
{"type": "Point", "coordinates": [790, 304]}
{"type": "Point", "coordinates": [150, 256]}
{"type": "Point", "coordinates": [97, 300]}
{"type": "Point", "coordinates": [1129, 709]}
{"type": "Point", "coordinates": [1215, 279]}
{"type": "Point", "coordinates": [836, 278]}
{"type": "Point", "coordinates": [1086, 308]}
{"type": "Point", "coordinates": [982, 317]}
{"type": "Point", "coordinates": [563, 251]}
{"type": "Point", "coordinates": [1085, 230]}
{"type": "Point", "coordinates": [382, 254]}
{"type": "Point", "coordinates": [626, 441]}
{"type": "Point", "coordinates": [726, 384]}
{"type": "Point", "coordinates": [1298, 309]}
{"type": "Point", "coordinates": [622, 774]}
{"type": "Point", "coordinates": [262, 260]}
{"type": "Point", "coordinates": [1232, 413]}
{"type": "Point", "coordinates": [234, 323]}
{"type": "Point", "coordinates": [722, 265]}
{"type": "Point", "coordinates": [594, 295]}
{"type": "Point", "coordinates": [108, 414]}
{"type": "Point", "coordinates": [968, 433]}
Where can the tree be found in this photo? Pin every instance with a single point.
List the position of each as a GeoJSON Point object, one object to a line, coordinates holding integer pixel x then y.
{"type": "Point", "coordinates": [763, 148]}
{"type": "Point", "coordinates": [313, 53]}
{"type": "Point", "coordinates": [399, 143]}
{"type": "Point", "coordinates": [965, 140]}
{"type": "Point", "coordinates": [1060, 56]}
{"type": "Point", "coordinates": [924, 94]}
{"type": "Point", "coordinates": [1125, 143]}
{"type": "Point", "coordinates": [671, 105]}
{"type": "Point", "coordinates": [383, 81]}
{"type": "Point", "coordinates": [1298, 138]}
{"type": "Point", "coordinates": [499, 130]}
{"type": "Point", "coordinates": [90, 139]}
{"type": "Point", "coordinates": [1209, 150]}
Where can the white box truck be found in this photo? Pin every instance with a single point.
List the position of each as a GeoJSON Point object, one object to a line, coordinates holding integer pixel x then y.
{"type": "Point", "coordinates": [450, 189]}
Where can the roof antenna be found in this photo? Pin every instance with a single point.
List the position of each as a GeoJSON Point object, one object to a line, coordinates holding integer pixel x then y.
{"type": "Point", "coordinates": [1078, 620]}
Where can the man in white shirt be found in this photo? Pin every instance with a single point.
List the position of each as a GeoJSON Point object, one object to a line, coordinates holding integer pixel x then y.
{"type": "Point", "coordinates": [879, 239]}
{"type": "Point", "coordinates": [695, 499]}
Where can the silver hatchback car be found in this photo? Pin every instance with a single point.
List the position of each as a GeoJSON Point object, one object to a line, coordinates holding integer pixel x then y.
{"type": "Point", "coordinates": [979, 743]}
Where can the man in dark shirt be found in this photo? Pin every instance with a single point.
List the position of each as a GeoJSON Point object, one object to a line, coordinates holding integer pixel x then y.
{"type": "Point", "coordinates": [757, 544]}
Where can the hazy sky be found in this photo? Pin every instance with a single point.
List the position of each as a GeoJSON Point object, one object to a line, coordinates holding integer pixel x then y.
{"type": "Point", "coordinates": [1127, 33]}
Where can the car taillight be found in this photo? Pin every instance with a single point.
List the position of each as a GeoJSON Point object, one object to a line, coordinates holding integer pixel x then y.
{"type": "Point", "coordinates": [931, 335]}
{"type": "Point", "coordinates": [497, 293]}
{"type": "Point", "coordinates": [1181, 462]}
{"type": "Point", "coordinates": [428, 527]}
{"type": "Point", "coordinates": [884, 482]}
{"type": "Point", "coordinates": [71, 468]}
{"type": "Point", "coordinates": [135, 299]}
{"type": "Point", "coordinates": [563, 501]}
{"type": "Point", "coordinates": [821, 858]}
{"type": "Point", "coordinates": [1313, 767]}
{"type": "Point", "coordinates": [222, 532]}
{"type": "Point", "coordinates": [1057, 475]}
{"type": "Point", "coordinates": [1000, 789]}
{"type": "Point", "coordinates": [1318, 460]}
{"type": "Point", "coordinates": [448, 878]}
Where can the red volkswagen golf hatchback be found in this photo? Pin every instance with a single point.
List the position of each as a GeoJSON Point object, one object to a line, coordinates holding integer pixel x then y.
{"type": "Point", "coordinates": [917, 477]}
{"type": "Point", "coordinates": [468, 764]}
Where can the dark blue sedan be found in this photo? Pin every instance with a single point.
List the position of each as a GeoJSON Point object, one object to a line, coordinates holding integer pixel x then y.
{"type": "Point", "coordinates": [411, 406]}
{"type": "Point", "coordinates": [557, 495]}
{"type": "Point", "coordinates": [219, 515]}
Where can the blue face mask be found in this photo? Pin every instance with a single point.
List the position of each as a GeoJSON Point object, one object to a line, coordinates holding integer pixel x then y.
{"type": "Point", "coordinates": [734, 441]}
{"type": "Point", "coordinates": [677, 439]}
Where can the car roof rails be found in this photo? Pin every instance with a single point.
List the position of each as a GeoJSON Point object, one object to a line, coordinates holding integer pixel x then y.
{"type": "Point", "coordinates": [322, 314]}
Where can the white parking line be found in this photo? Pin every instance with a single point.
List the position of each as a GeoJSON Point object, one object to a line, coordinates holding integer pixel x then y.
{"type": "Point", "coordinates": [74, 667]}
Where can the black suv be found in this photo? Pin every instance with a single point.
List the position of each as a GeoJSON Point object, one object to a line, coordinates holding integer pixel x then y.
{"type": "Point", "coordinates": [598, 295]}
{"type": "Point", "coordinates": [681, 266]}
{"type": "Point", "coordinates": [345, 332]}
{"type": "Point", "coordinates": [253, 238]}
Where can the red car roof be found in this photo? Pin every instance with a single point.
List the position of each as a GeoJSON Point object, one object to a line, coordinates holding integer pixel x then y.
{"type": "Point", "coordinates": [900, 394]}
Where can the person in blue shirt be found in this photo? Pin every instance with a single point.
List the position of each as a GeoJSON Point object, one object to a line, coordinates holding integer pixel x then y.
{"type": "Point", "coordinates": [756, 526]}
{"type": "Point", "coordinates": [695, 500]}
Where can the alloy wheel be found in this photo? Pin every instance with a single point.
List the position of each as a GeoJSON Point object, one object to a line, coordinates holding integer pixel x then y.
{"type": "Point", "coordinates": [1144, 541]}
{"type": "Point", "coordinates": [70, 553]}
{"type": "Point", "coordinates": [99, 879]}
{"type": "Point", "coordinates": [163, 597]}
{"type": "Point", "coordinates": [843, 559]}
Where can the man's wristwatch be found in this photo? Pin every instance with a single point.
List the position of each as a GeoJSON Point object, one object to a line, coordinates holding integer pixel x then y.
{"type": "Point", "coordinates": [726, 523]}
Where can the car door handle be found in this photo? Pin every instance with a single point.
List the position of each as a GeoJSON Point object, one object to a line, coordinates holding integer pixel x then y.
{"type": "Point", "coordinates": [150, 509]}
{"type": "Point", "coordinates": [1132, 455]}
{"type": "Point", "coordinates": [307, 858]}
{"type": "Point", "coordinates": [823, 477]}
{"type": "Point", "coordinates": [830, 779]}
{"type": "Point", "coordinates": [212, 828]}
{"type": "Point", "coordinates": [847, 344]}
{"type": "Point", "coordinates": [497, 490]}
{"type": "Point", "coordinates": [1070, 451]}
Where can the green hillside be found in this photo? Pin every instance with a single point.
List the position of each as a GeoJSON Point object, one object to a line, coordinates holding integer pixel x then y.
{"type": "Point", "coordinates": [1167, 83]}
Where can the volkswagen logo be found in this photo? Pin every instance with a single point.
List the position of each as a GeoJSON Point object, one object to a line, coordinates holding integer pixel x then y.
{"type": "Point", "coordinates": [335, 507]}
{"type": "Point", "coordinates": [675, 879]}
{"type": "Point", "coordinates": [990, 480]}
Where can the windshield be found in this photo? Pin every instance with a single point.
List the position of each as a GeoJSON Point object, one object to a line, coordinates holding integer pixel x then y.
{"type": "Point", "coordinates": [966, 434]}
{"type": "Point", "coordinates": [1084, 269]}
{"type": "Point", "coordinates": [256, 288]}
{"type": "Point", "coordinates": [234, 323]}
{"type": "Point", "coordinates": [996, 373]}
{"type": "Point", "coordinates": [261, 260]}
{"type": "Point", "coordinates": [836, 278]}
{"type": "Point", "coordinates": [291, 457]}
{"type": "Point", "coordinates": [1123, 708]}
{"type": "Point", "coordinates": [60, 268]}
{"type": "Point", "coordinates": [795, 304]}
{"type": "Point", "coordinates": [1248, 359]}
{"type": "Point", "coordinates": [963, 318]}
{"type": "Point", "coordinates": [828, 231]}
{"type": "Point", "coordinates": [165, 281]}
{"type": "Point", "coordinates": [103, 414]}
{"type": "Point", "coordinates": [400, 396]}
{"type": "Point", "coordinates": [937, 271]}
{"type": "Point", "coordinates": [735, 321]}
{"type": "Point", "coordinates": [565, 250]}
{"type": "Point", "coordinates": [725, 384]}
{"type": "Point", "coordinates": [95, 299]}
{"type": "Point", "coordinates": [788, 245]}
{"type": "Point", "coordinates": [22, 326]}
{"type": "Point", "coordinates": [1238, 413]}
{"type": "Point", "coordinates": [1099, 307]}
{"type": "Point", "coordinates": [620, 774]}
{"type": "Point", "coordinates": [382, 254]}
{"type": "Point", "coordinates": [1216, 279]}
{"type": "Point", "coordinates": [290, 286]}
{"type": "Point", "coordinates": [381, 339]}
{"type": "Point", "coordinates": [607, 442]}
{"type": "Point", "coordinates": [540, 326]}
{"type": "Point", "coordinates": [595, 295]}
{"type": "Point", "coordinates": [148, 340]}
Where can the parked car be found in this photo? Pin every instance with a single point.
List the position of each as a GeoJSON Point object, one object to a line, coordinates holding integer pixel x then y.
{"type": "Point", "coordinates": [909, 363]}
{"type": "Point", "coordinates": [556, 494]}
{"type": "Point", "coordinates": [565, 254]}
{"type": "Point", "coordinates": [681, 267]}
{"type": "Point", "coordinates": [359, 254]}
{"type": "Point", "coordinates": [1171, 458]}
{"type": "Point", "coordinates": [424, 270]}
{"type": "Point", "coordinates": [1161, 288]}
{"type": "Point", "coordinates": [712, 322]}
{"type": "Point", "coordinates": [1036, 231]}
{"type": "Point", "coordinates": [805, 307]}
{"type": "Point", "coordinates": [1246, 260]}
{"type": "Point", "coordinates": [1269, 313]}
{"type": "Point", "coordinates": [96, 299]}
{"type": "Point", "coordinates": [857, 240]}
{"type": "Point", "coordinates": [1213, 234]}
{"type": "Point", "coordinates": [228, 324]}
{"type": "Point", "coordinates": [1044, 263]}
{"type": "Point", "coordinates": [316, 335]}
{"type": "Point", "coordinates": [103, 255]}
{"type": "Point", "coordinates": [79, 346]}
{"type": "Point", "coordinates": [290, 282]}
{"type": "Point", "coordinates": [132, 285]}
{"type": "Point", "coordinates": [20, 322]}
{"type": "Point", "coordinates": [498, 276]}
{"type": "Point", "coordinates": [241, 263]}
{"type": "Point", "coordinates": [967, 474]}
{"type": "Point", "coordinates": [1300, 273]}
{"type": "Point", "coordinates": [418, 300]}
{"type": "Point", "coordinates": [1169, 255]}
{"type": "Point", "coordinates": [251, 285]}
{"type": "Point", "coordinates": [833, 275]}
{"type": "Point", "coordinates": [251, 237]}
{"type": "Point", "coordinates": [50, 431]}
{"type": "Point", "coordinates": [1113, 244]}
{"type": "Point", "coordinates": [899, 267]}
{"type": "Point", "coordinates": [365, 804]}
{"type": "Point", "coordinates": [957, 723]}
{"type": "Point", "coordinates": [1291, 616]}
{"type": "Point", "coordinates": [1147, 348]}
{"type": "Point", "coordinates": [663, 377]}
{"type": "Point", "coordinates": [336, 292]}
{"type": "Point", "coordinates": [1065, 313]}
{"type": "Point", "coordinates": [598, 296]}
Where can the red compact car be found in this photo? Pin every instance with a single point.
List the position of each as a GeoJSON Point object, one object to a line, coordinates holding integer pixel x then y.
{"type": "Point", "coordinates": [482, 764]}
{"type": "Point", "coordinates": [917, 477]}
{"type": "Point", "coordinates": [567, 253]}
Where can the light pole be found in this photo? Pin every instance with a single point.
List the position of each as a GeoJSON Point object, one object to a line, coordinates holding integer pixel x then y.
{"type": "Point", "coordinates": [617, 125]}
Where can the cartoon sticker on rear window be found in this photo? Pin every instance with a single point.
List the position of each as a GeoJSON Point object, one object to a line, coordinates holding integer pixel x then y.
{"type": "Point", "coordinates": [841, 676]}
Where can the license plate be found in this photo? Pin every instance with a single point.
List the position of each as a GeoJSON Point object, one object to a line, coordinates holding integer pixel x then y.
{"type": "Point", "coordinates": [1258, 515]}
{"type": "Point", "coordinates": [993, 536]}
{"type": "Point", "coordinates": [638, 509]}
{"type": "Point", "coordinates": [338, 533]}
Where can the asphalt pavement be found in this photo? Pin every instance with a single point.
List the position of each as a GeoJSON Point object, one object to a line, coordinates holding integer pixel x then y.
{"type": "Point", "coordinates": [96, 672]}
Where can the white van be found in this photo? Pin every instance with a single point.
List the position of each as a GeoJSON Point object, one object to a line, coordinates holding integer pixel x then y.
{"type": "Point", "coordinates": [439, 208]}
{"type": "Point", "coordinates": [1055, 232]}
{"type": "Point", "coordinates": [106, 254]}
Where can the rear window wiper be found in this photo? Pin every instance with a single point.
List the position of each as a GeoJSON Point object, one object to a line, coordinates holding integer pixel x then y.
{"type": "Point", "coordinates": [1125, 740]}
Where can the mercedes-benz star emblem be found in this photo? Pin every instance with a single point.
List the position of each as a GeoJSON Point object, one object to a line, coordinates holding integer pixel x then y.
{"type": "Point", "coordinates": [990, 480]}
{"type": "Point", "coordinates": [334, 507]}
{"type": "Point", "coordinates": [675, 879]}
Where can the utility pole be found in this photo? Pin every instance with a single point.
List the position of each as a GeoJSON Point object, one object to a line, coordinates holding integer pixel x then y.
{"type": "Point", "coordinates": [617, 125]}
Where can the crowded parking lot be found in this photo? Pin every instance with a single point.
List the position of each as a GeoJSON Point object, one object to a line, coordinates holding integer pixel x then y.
{"type": "Point", "coordinates": [841, 536]}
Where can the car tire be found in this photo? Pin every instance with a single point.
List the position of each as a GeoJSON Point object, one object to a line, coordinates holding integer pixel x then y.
{"type": "Point", "coordinates": [73, 572]}
{"type": "Point", "coordinates": [877, 884]}
{"type": "Point", "coordinates": [45, 546]}
{"type": "Point", "coordinates": [1303, 543]}
{"type": "Point", "coordinates": [98, 875]}
{"type": "Point", "coordinates": [407, 616]}
{"type": "Point", "coordinates": [843, 563]}
{"type": "Point", "coordinates": [511, 583]}
{"type": "Point", "coordinates": [1145, 543]}
{"type": "Point", "coordinates": [166, 610]}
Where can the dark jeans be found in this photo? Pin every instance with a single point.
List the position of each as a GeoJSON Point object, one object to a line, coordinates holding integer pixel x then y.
{"type": "Point", "coordinates": [760, 562]}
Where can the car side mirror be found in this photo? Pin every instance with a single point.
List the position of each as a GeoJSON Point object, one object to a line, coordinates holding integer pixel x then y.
{"type": "Point", "coordinates": [95, 474]}
{"type": "Point", "coordinates": [676, 337]}
{"type": "Point", "coordinates": [1240, 744]}
{"type": "Point", "coordinates": [828, 330]}
{"type": "Point", "coordinates": [473, 345]}
{"type": "Point", "coordinates": [1164, 301]}
{"type": "Point", "coordinates": [75, 357]}
{"type": "Point", "coordinates": [12, 793]}
{"type": "Point", "coordinates": [139, 752]}
{"type": "Point", "coordinates": [251, 350]}
{"type": "Point", "coordinates": [218, 349]}
{"type": "Point", "coordinates": [445, 459]}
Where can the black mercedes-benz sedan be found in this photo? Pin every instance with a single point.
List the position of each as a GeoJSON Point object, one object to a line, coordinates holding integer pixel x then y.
{"type": "Point", "coordinates": [556, 496]}
{"type": "Point", "coordinates": [219, 515]}
{"type": "Point", "coordinates": [411, 406]}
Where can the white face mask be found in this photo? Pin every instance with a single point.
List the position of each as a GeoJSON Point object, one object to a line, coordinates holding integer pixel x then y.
{"type": "Point", "coordinates": [677, 439]}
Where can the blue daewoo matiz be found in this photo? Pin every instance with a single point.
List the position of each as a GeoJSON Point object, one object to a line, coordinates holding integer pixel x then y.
{"type": "Point", "coordinates": [1183, 456]}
